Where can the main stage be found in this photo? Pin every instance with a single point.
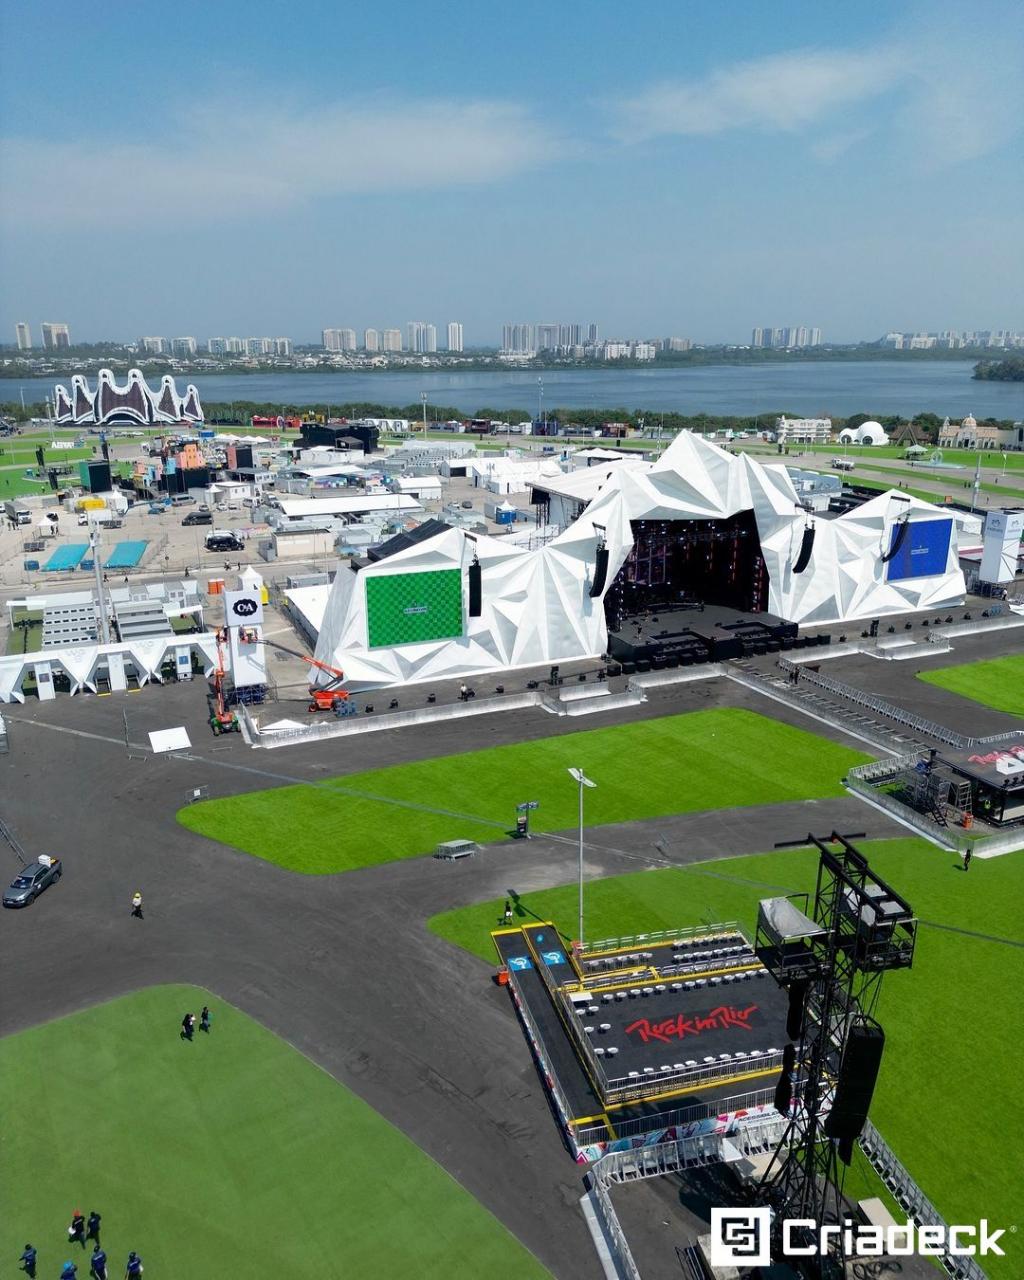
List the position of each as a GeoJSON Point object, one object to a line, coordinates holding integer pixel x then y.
{"type": "Point", "coordinates": [648, 1038]}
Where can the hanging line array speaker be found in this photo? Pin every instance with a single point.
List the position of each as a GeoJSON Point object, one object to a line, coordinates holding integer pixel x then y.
{"type": "Point", "coordinates": [795, 1017]}
{"type": "Point", "coordinates": [897, 542]}
{"type": "Point", "coordinates": [783, 1094]}
{"type": "Point", "coordinates": [600, 570]}
{"type": "Point", "coordinates": [475, 589]}
{"type": "Point", "coordinates": [804, 558]}
{"type": "Point", "coordinates": [858, 1073]}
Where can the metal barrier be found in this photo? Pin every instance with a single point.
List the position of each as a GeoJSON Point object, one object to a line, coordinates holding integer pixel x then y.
{"type": "Point", "coordinates": [890, 710]}
{"type": "Point", "coordinates": [636, 1126]}
{"type": "Point", "coordinates": [632, 940]}
{"type": "Point", "coordinates": [911, 1199]}
{"type": "Point", "coordinates": [663, 1158]}
{"type": "Point", "coordinates": [623, 1089]}
{"type": "Point", "coordinates": [931, 729]}
{"type": "Point", "coordinates": [614, 1234]}
{"type": "Point", "coordinates": [889, 768]}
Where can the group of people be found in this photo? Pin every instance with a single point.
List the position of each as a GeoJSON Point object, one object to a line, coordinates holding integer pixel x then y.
{"type": "Point", "coordinates": [81, 1231]}
{"type": "Point", "coordinates": [188, 1023]}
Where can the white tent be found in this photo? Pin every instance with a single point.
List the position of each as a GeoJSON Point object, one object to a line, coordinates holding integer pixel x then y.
{"type": "Point", "coordinates": [536, 605]}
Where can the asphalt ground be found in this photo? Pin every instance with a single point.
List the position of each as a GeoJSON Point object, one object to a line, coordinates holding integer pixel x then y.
{"type": "Point", "coordinates": [420, 1031]}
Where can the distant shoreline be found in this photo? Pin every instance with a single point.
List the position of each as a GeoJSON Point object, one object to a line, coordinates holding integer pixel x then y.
{"type": "Point", "coordinates": [714, 358]}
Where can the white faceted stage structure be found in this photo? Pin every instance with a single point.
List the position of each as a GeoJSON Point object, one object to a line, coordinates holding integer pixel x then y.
{"type": "Point", "coordinates": [132, 402]}
{"type": "Point", "coordinates": [413, 616]}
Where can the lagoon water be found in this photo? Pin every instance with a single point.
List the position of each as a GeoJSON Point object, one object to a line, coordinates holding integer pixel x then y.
{"type": "Point", "coordinates": [827, 387]}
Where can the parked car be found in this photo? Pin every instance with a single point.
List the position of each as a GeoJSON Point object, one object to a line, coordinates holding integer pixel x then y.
{"type": "Point", "coordinates": [182, 500]}
{"type": "Point", "coordinates": [31, 881]}
{"type": "Point", "coordinates": [198, 517]}
{"type": "Point", "coordinates": [223, 542]}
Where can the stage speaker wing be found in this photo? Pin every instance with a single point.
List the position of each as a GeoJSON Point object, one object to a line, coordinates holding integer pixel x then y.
{"type": "Point", "coordinates": [600, 572]}
{"type": "Point", "coordinates": [897, 542]}
{"type": "Point", "coordinates": [806, 546]}
{"type": "Point", "coordinates": [858, 1072]}
{"type": "Point", "coordinates": [475, 589]}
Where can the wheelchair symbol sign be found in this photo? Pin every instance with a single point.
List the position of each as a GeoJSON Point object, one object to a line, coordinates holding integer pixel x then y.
{"type": "Point", "coordinates": [552, 957]}
{"type": "Point", "coordinates": [519, 962]}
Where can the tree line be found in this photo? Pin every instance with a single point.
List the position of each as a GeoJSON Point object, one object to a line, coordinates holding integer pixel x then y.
{"type": "Point", "coordinates": [1009, 369]}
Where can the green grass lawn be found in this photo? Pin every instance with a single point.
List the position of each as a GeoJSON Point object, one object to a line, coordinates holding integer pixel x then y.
{"type": "Point", "coordinates": [230, 1156]}
{"type": "Point", "coordinates": [990, 458]}
{"type": "Point", "coordinates": [997, 683]}
{"type": "Point", "coordinates": [14, 484]}
{"type": "Point", "coordinates": [19, 455]}
{"type": "Point", "coordinates": [677, 764]}
{"type": "Point", "coordinates": [951, 1022]}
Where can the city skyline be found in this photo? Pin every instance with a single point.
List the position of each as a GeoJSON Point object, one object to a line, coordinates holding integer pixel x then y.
{"type": "Point", "coordinates": [859, 168]}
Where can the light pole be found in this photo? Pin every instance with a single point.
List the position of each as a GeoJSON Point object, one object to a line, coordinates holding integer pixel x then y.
{"type": "Point", "coordinates": [423, 397]}
{"type": "Point", "coordinates": [583, 781]}
{"type": "Point", "coordinates": [540, 400]}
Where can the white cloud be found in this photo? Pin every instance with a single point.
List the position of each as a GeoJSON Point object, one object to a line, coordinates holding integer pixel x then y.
{"type": "Point", "coordinates": [232, 157]}
{"type": "Point", "coordinates": [784, 92]}
{"type": "Point", "coordinates": [947, 86]}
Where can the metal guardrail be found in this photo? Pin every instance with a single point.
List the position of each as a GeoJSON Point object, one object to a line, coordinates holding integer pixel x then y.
{"type": "Point", "coordinates": [930, 728]}
{"type": "Point", "coordinates": [871, 702]}
{"type": "Point", "coordinates": [911, 1199]}
{"type": "Point", "coordinates": [639, 1125]}
{"type": "Point", "coordinates": [632, 940]}
{"type": "Point", "coordinates": [888, 768]}
{"type": "Point", "coordinates": [623, 1089]}
{"type": "Point", "coordinates": [614, 1234]}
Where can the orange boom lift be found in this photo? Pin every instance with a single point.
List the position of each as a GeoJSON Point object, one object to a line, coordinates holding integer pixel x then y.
{"type": "Point", "coordinates": [322, 697]}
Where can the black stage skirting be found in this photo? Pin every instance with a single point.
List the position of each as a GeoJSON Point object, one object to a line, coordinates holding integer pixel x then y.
{"type": "Point", "coordinates": [686, 634]}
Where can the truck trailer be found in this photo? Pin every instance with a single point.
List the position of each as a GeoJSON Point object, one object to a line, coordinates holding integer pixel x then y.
{"type": "Point", "coordinates": [17, 512]}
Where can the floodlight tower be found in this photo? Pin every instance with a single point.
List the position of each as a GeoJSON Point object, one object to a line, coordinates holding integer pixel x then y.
{"type": "Point", "coordinates": [101, 595]}
{"type": "Point", "coordinates": [831, 960]}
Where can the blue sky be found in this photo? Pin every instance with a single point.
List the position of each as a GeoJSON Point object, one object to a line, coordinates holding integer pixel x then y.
{"type": "Point", "coordinates": [676, 169]}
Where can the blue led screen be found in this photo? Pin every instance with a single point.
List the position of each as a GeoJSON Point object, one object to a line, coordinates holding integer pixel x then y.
{"type": "Point", "coordinates": [922, 553]}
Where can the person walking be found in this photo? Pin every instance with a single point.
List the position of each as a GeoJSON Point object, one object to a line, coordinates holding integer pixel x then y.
{"type": "Point", "coordinates": [188, 1024]}
{"type": "Point", "coordinates": [508, 911]}
{"type": "Point", "coordinates": [92, 1227]}
{"type": "Point", "coordinates": [28, 1260]}
{"type": "Point", "coordinates": [68, 1271]}
{"type": "Point", "coordinates": [204, 1019]}
{"type": "Point", "coordinates": [76, 1232]}
{"type": "Point", "coordinates": [137, 905]}
{"type": "Point", "coordinates": [134, 1266]}
{"type": "Point", "coordinates": [968, 855]}
{"type": "Point", "coordinates": [98, 1264]}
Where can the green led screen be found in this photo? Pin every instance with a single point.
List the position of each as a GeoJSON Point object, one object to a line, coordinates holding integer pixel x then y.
{"type": "Point", "coordinates": [409, 608]}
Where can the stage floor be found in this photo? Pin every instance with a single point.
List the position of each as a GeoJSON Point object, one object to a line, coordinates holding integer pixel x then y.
{"type": "Point", "coordinates": [696, 1024]}
{"type": "Point", "coordinates": [703, 632]}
